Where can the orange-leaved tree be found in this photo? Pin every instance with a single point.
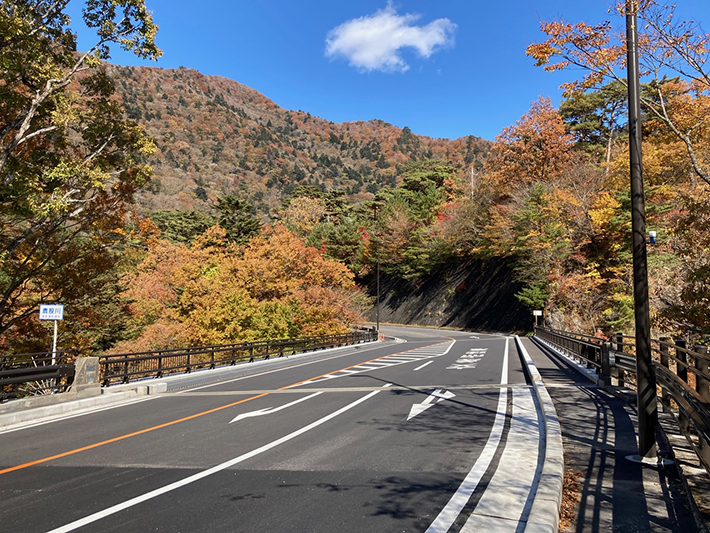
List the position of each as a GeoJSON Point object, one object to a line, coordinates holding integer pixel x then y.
{"type": "Point", "coordinates": [216, 292]}
{"type": "Point", "coordinates": [534, 149]}
{"type": "Point", "coordinates": [672, 64]}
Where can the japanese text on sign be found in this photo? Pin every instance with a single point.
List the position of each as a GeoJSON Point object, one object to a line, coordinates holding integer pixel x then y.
{"type": "Point", "coordinates": [51, 312]}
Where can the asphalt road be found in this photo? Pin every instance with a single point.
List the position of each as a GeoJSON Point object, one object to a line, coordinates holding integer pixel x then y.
{"type": "Point", "coordinates": [407, 435]}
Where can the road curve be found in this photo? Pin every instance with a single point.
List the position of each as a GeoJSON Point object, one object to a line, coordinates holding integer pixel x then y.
{"type": "Point", "coordinates": [428, 431]}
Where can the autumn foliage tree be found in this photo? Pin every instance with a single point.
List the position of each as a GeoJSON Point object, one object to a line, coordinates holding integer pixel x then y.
{"type": "Point", "coordinates": [667, 47]}
{"type": "Point", "coordinates": [214, 291]}
{"type": "Point", "coordinates": [69, 160]}
{"type": "Point", "coordinates": [533, 150]}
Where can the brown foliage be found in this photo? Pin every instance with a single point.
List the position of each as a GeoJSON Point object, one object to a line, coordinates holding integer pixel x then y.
{"type": "Point", "coordinates": [273, 287]}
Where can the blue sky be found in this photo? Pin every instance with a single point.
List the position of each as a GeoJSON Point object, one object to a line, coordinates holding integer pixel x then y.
{"type": "Point", "coordinates": [444, 69]}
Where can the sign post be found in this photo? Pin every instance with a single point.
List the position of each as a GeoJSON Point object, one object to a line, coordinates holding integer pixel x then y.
{"type": "Point", "coordinates": [536, 314]}
{"type": "Point", "coordinates": [54, 312]}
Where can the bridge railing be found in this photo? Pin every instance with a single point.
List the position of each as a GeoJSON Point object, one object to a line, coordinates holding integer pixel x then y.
{"type": "Point", "coordinates": [33, 374]}
{"type": "Point", "coordinates": [682, 375]}
{"type": "Point", "coordinates": [122, 368]}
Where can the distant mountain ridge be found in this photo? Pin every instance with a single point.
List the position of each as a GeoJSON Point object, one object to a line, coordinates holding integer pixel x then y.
{"type": "Point", "coordinates": [215, 137]}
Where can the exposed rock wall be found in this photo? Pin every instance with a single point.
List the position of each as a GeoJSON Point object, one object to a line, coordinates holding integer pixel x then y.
{"type": "Point", "coordinates": [473, 295]}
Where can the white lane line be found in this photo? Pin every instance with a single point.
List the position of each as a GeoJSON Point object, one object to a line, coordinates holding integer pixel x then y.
{"type": "Point", "coordinates": [206, 473]}
{"type": "Point", "coordinates": [385, 362]}
{"type": "Point", "coordinates": [425, 364]}
{"type": "Point", "coordinates": [507, 495]}
{"type": "Point", "coordinates": [265, 372]}
{"type": "Point", "coordinates": [449, 348]}
{"type": "Point", "coordinates": [458, 501]}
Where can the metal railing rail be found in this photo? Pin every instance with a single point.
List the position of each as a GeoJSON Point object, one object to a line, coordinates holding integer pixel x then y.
{"type": "Point", "coordinates": [683, 375]}
{"type": "Point", "coordinates": [122, 368]}
{"type": "Point", "coordinates": [33, 374]}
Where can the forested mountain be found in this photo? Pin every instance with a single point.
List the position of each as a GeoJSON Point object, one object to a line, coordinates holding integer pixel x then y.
{"type": "Point", "coordinates": [216, 137]}
{"type": "Point", "coordinates": [546, 212]}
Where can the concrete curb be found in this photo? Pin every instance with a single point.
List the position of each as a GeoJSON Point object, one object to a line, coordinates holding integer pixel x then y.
{"type": "Point", "coordinates": [545, 511]}
{"type": "Point", "coordinates": [37, 413]}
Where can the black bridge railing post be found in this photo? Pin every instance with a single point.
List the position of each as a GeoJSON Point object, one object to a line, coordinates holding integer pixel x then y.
{"type": "Point", "coordinates": [606, 364]}
{"type": "Point", "coordinates": [682, 373]}
{"type": "Point", "coordinates": [702, 387]}
{"type": "Point", "coordinates": [682, 357]}
{"type": "Point", "coordinates": [620, 373]}
{"type": "Point", "coordinates": [664, 350]}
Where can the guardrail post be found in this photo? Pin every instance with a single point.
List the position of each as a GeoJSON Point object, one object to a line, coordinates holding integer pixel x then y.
{"type": "Point", "coordinates": [665, 362]}
{"type": "Point", "coordinates": [160, 365]}
{"type": "Point", "coordinates": [606, 364]}
{"type": "Point", "coordinates": [125, 369]}
{"type": "Point", "coordinates": [681, 356]}
{"type": "Point", "coordinates": [251, 352]}
{"type": "Point", "coordinates": [702, 385]}
{"type": "Point", "coordinates": [682, 373]}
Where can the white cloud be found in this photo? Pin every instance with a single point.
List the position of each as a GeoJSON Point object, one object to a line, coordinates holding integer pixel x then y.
{"type": "Point", "coordinates": [374, 42]}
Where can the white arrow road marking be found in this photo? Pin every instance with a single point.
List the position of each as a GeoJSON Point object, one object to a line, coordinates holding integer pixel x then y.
{"type": "Point", "coordinates": [438, 395]}
{"type": "Point", "coordinates": [269, 410]}
{"type": "Point", "coordinates": [210, 471]}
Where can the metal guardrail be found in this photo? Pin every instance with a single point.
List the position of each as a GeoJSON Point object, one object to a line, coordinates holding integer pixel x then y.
{"type": "Point", "coordinates": [40, 373]}
{"type": "Point", "coordinates": [682, 375]}
{"type": "Point", "coordinates": [34, 374]}
{"type": "Point", "coordinates": [122, 368]}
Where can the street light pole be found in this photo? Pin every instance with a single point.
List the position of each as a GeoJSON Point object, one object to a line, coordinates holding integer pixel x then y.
{"type": "Point", "coordinates": [377, 258]}
{"type": "Point", "coordinates": [645, 377]}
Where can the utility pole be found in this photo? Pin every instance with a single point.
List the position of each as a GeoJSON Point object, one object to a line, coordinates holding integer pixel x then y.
{"type": "Point", "coordinates": [377, 256]}
{"type": "Point", "coordinates": [645, 376]}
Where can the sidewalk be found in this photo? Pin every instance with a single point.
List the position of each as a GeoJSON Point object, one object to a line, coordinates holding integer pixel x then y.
{"type": "Point", "coordinates": [612, 493]}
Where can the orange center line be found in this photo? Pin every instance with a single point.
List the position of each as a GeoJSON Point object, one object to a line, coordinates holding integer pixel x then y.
{"type": "Point", "coordinates": [184, 419]}
{"type": "Point", "coordinates": [127, 435]}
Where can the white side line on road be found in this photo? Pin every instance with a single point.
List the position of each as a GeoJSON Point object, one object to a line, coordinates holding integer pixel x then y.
{"type": "Point", "coordinates": [425, 364]}
{"type": "Point", "coordinates": [458, 501]}
{"type": "Point", "coordinates": [206, 473]}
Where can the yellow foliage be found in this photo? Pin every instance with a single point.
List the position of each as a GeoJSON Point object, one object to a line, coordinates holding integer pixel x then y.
{"type": "Point", "coordinates": [604, 209]}
{"type": "Point", "coordinates": [272, 287]}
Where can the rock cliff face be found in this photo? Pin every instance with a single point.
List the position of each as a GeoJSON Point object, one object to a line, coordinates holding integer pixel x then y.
{"type": "Point", "coordinates": [474, 295]}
